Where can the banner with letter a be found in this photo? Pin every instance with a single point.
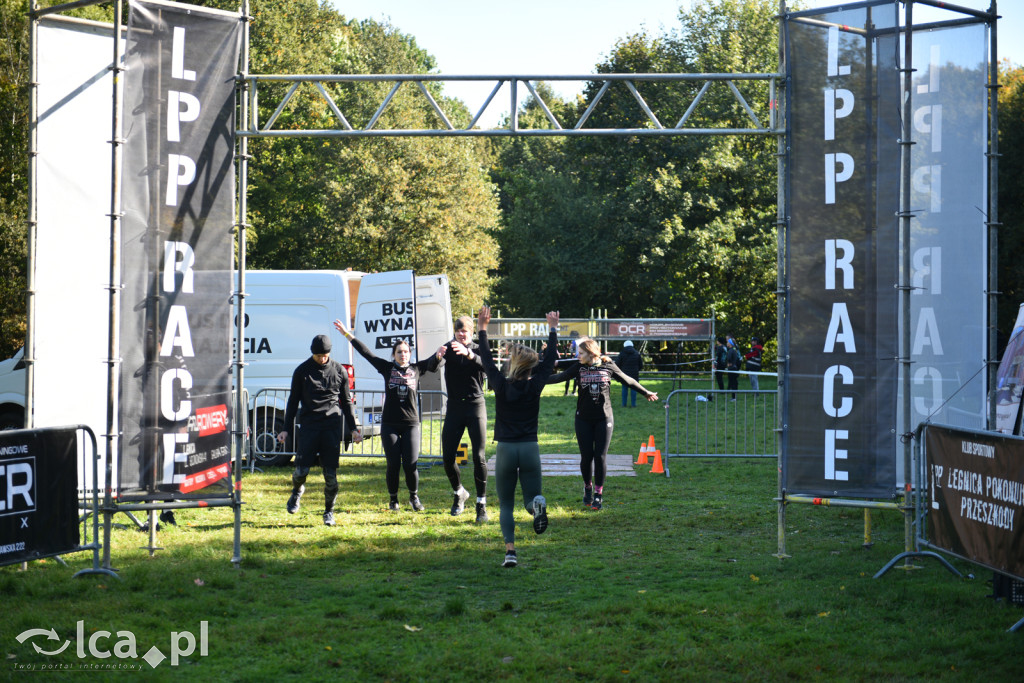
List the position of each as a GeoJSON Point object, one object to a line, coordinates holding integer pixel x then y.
{"type": "Point", "coordinates": [948, 242]}
{"type": "Point", "coordinates": [840, 335]}
{"type": "Point", "coordinates": [178, 203]}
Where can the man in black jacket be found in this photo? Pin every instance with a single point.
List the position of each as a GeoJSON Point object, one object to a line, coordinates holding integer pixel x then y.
{"type": "Point", "coordinates": [320, 385]}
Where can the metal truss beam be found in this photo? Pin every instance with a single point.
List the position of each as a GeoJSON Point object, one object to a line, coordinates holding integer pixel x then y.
{"type": "Point", "coordinates": [317, 86]}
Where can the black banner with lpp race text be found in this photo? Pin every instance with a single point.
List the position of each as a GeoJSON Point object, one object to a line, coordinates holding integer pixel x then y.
{"type": "Point", "coordinates": [840, 335]}
{"type": "Point", "coordinates": [178, 203]}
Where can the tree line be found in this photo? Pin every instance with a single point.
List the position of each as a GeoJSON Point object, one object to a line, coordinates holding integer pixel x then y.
{"type": "Point", "coordinates": [678, 226]}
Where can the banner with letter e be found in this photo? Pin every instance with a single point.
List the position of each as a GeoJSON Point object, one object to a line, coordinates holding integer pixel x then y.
{"type": "Point", "coordinates": [38, 493]}
{"type": "Point", "coordinates": [177, 249]}
{"type": "Point", "coordinates": [840, 336]}
{"type": "Point", "coordinates": [976, 496]}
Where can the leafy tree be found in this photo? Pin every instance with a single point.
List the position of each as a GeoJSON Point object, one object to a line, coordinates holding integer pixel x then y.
{"type": "Point", "coordinates": [1011, 196]}
{"type": "Point", "coordinates": [373, 204]}
{"type": "Point", "coordinates": [14, 108]}
{"type": "Point", "coordinates": [675, 227]}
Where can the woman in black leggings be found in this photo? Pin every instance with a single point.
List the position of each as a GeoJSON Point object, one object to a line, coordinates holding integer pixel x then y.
{"type": "Point", "coordinates": [466, 412]}
{"type": "Point", "coordinates": [516, 407]}
{"type": "Point", "coordinates": [400, 418]}
{"type": "Point", "coordinates": [594, 419]}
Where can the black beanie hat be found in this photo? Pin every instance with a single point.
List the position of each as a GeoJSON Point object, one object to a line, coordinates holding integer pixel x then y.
{"type": "Point", "coordinates": [321, 344]}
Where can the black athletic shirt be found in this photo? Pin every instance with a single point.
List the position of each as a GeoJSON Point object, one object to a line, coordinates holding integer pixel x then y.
{"type": "Point", "coordinates": [464, 377]}
{"type": "Point", "coordinates": [401, 405]}
{"type": "Point", "coordinates": [594, 401]}
{"type": "Point", "coordinates": [517, 404]}
{"type": "Point", "coordinates": [323, 392]}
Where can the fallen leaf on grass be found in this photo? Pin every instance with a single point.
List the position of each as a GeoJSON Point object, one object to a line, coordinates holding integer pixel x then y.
{"type": "Point", "coordinates": [754, 578]}
{"type": "Point", "coordinates": [412, 628]}
{"type": "Point", "coordinates": [824, 614]}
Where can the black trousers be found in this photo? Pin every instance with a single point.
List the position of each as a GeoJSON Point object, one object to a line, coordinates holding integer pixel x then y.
{"type": "Point", "coordinates": [462, 417]}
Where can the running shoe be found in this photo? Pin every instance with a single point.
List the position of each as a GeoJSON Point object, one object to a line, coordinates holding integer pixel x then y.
{"type": "Point", "coordinates": [540, 514]}
{"type": "Point", "coordinates": [588, 495]}
{"type": "Point", "coordinates": [393, 505]}
{"type": "Point", "coordinates": [167, 517]}
{"type": "Point", "coordinates": [414, 501]}
{"type": "Point", "coordinates": [481, 513]}
{"type": "Point", "coordinates": [510, 559]}
{"type": "Point", "coordinates": [329, 518]}
{"type": "Point", "coordinates": [598, 501]}
{"type": "Point", "coordinates": [459, 504]}
{"type": "Point", "coordinates": [293, 500]}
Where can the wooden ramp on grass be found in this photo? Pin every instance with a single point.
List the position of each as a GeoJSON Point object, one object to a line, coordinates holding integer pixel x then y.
{"type": "Point", "coordinates": [553, 465]}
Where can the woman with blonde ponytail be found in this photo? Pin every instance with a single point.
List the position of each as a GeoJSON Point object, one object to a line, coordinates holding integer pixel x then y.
{"type": "Point", "coordinates": [516, 407]}
{"type": "Point", "coordinates": [594, 420]}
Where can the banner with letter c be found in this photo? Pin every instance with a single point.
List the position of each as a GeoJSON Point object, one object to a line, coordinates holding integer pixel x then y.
{"type": "Point", "coordinates": [177, 241]}
{"type": "Point", "coordinates": [840, 335]}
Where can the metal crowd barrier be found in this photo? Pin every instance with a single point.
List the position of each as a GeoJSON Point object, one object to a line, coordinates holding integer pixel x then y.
{"type": "Point", "coordinates": [714, 423]}
{"type": "Point", "coordinates": [268, 421]}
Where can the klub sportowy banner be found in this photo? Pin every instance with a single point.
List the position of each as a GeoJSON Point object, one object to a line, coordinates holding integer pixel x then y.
{"type": "Point", "coordinates": [176, 251]}
{"type": "Point", "coordinates": [842, 249]}
{"type": "Point", "coordinates": [976, 496]}
{"type": "Point", "coordinates": [38, 493]}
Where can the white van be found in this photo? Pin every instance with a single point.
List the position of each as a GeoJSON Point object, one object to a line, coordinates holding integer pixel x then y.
{"type": "Point", "coordinates": [12, 392]}
{"type": "Point", "coordinates": [285, 309]}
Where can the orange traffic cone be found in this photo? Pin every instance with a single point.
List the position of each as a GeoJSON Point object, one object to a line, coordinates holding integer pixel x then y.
{"type": "Point", "coordinates": [658, 467]}
{"type": "Point", "coordinates": [642, 458]}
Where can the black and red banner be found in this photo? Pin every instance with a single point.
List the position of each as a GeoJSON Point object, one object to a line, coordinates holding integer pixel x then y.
{"type": "Point", "coordinates": [38, 493]}
{"type": "Point", "coordinates": [840, 332]}
{"type": "Point", "coordinates": [976, 496]}
{"type": "Point", "coordinates": [177, 240]}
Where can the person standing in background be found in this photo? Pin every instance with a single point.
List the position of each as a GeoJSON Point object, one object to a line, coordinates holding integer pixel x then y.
{"type": "Point", "coordinates": [631, 363]}
{"type": "Point", "coordinates": [733, 360]}
{"type": "Point", "coordinates": [753, 360]}
{"type": "Point", "coordinates": [718, 364]}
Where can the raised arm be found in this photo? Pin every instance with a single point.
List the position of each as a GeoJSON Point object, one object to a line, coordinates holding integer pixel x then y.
{"type": "Point", "coordinates": [551, 352]}
{"type": "Point", "coordinates": [359, 346]}
{"type": "Point", "coordinates": [618, 374]}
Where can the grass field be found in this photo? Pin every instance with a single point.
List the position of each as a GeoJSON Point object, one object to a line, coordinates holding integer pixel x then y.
{"type": "Point", "coordinates": [675, 580]}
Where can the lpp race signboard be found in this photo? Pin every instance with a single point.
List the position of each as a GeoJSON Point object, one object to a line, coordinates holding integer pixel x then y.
{"type": "Point", "coordinates": [178, 203]}
{"type": "Point", "coordinates": [976, 496]}
{"type": "Point", "coordinates": [38, 493]}
{"type": "Point", "coordinates": [840, 336]}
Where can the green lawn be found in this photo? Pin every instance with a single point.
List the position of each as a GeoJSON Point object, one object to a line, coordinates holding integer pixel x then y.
{"type": "Point", "coordinates": [674, 580]}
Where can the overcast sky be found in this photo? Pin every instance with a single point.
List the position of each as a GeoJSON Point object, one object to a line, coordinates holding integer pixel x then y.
{"type": "Point", "coordinates": [561, 37]}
